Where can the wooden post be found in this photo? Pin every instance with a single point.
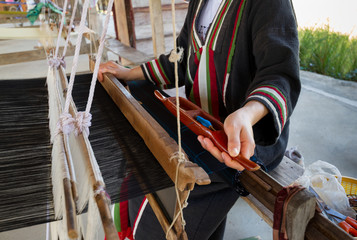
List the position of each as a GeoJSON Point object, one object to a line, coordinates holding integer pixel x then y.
{"type": "Point", "coordinates": [157, 27]}
{"type": "Point", "coordinates": [301, 209]}
{"type": "Point", "coordinates": [124, 24]}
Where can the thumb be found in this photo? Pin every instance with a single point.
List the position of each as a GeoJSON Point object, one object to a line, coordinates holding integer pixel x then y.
{"type": "Point", "coordinates": [233, 144]}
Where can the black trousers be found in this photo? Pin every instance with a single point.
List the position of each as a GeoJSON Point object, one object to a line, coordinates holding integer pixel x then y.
{"type": "Point", "coordinates": [205, 214]}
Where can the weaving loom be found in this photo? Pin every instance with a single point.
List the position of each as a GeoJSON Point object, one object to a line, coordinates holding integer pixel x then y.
{"type": "Point", "coordinates": [128, 175]}
{"type": "Point", "coordinates": [128, 167]}
{"type": "Point", "coordinates": [135, 156]}
{"type": "Point", "coordinates": [25, 152]}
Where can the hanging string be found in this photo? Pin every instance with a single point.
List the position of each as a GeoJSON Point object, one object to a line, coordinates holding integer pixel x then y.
{"type": "Point", "coordinates": [66, 123]}
{"type": "Point", "coordinates": [83, 119]}
{"type": "Point", "coordinates": [55, 61]}
{"type": "Point", "coordinates": [175, 57]}
{"type": "Point", "coordinates": [70, 28]}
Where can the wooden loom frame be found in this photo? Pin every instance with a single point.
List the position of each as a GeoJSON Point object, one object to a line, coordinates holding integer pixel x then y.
{"type": "Point", "coordinates": [163, 147]}
{"type": "Point", "coordinates": [262, 186]}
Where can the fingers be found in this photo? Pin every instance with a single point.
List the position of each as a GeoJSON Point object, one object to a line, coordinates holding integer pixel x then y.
{"type": "Point", "coordinates": [247, 143]}
{"type": "Point", "coordinates": [220, 156]}
{"type": "Point", "coordinates": [210, 147]}
{"type": "Point", "coordinates": [100, 74]}
{"type": "Point", "coordinates": [231, 163]}
{"type": "Point", "coordinates": [240, 135]}
{"type": "Point", "coordinates": [112, 64]}
{"type": "Point", "coordinates": [102, 69]}
{"type": "Point", "coordinates": [233, 142]}
{"type": "Point", "coordinates": [108, 67]}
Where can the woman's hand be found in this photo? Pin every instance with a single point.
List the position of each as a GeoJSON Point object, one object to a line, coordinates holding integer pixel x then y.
{"type": "Point", "coordinates": [120, 72]}
{"type": "Point", "coordinates": [238, 127]}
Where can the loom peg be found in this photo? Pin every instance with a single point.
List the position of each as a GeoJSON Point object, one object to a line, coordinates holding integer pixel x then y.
{"type": "Point", "coordinates": [70, 210]}
{"type": "Point", "coordinates": [103, 206]}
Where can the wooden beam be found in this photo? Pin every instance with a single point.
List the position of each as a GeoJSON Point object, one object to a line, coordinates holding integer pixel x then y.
{"type": "Point", "coordinates": [134, 56]}
{"type": "Point", "coordinates": [157, 27]}
{"type": "Point", "coordinates": [299, 213]}
{"type": "Point", "coordinates": [124, 24]}
{"type": "Point", "coordinates": [162, 146]}
{"type": "Point", "coordinates": [35, 55]}
{"type": "Point", "coordinates": [164, 7]}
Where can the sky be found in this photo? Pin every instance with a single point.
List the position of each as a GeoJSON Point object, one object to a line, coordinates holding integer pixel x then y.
{"type": "Point", "coordinates": [341, 15]}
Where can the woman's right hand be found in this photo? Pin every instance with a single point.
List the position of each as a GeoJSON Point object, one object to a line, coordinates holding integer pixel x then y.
{"type": "Point", "coordinates": [119, 72]}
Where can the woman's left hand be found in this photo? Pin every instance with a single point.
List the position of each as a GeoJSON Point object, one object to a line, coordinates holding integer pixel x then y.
{"type": "Point", "coordinates": [238, 127]}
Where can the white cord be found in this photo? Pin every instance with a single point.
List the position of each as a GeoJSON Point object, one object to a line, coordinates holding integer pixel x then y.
{"type": "Point", "coordinates": [175, 56]}
{"type": "Point", "coordinates": [55, 62]}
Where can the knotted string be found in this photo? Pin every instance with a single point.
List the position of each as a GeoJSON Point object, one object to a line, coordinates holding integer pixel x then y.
{"type": "Point", "coordinates": [175, 57]}
{"type": "Point", "coordinates": [55, 62]}
{"type": "Point", "coordinates": [67, 122]}
{"type": "Point", "coordinates": [82, 120]}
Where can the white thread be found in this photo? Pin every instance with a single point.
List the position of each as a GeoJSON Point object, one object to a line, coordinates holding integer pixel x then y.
{"type": "Point", "coordinates": [73, 71]}
{"type": "Point", "coordinates": [83, 120]}
{"type": "Point", "coordinates": [181, 159]}
{"type": "Point", "coordinates": [70, 28]}
{"type": "Point", "coordinates": [61, 28]}
{"type": "Point", "coordinates": [99, 56]}
{"type": "Point", "coordinates": [175, 57]}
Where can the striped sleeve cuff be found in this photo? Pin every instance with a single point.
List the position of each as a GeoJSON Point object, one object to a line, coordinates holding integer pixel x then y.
{"type": "Point", "coordinates": [275, 101]}
{"type": "Point", "coordinates": [155, 73]}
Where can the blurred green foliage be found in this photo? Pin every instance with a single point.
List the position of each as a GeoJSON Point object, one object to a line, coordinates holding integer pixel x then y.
{"type": "Point", "coordinates": [329, 53]}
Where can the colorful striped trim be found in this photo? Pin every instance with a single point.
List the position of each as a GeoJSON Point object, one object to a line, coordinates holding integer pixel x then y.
{"type": "Point", "coordinates": [188, 66]}
{"type": "Point", "coordinates": [205, 90]}
{"type": "Point", "coordinates": [232, 48]}
{"type": "Point", "coordinates": [156, 73]}
{"type": "Point", "coordinates": [196, 42]}
{"type": "Point", "coordinates": [214, 32]}
{"type": "Point", "coordinates": [140, 214]}
{"type": "Point", "coordinates": [275, 100]}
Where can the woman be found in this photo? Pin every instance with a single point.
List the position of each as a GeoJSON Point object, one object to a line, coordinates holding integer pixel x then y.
{"type": "Point", "coordinates": [240, 64]}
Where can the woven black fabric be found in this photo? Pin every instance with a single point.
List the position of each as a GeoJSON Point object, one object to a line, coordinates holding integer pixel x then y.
{"type": "Point", "coordinates": [25, 154]}
{"type": "Point", "coordinates": [128, 167]}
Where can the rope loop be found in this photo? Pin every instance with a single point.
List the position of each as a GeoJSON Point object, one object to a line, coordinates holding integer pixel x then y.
{"type": "Point", "coordinates": [56, 62]}
{"type": "Point", "coordinates": [99, 190]}
{"type": "Point", "coordinates": [176, 56]}
{"type": "Point", "coordinates": [65, 124]}
{"type": "Point", "coordinates": [180, 156]}
{"type": "Point", "coordinates": [83, 122]}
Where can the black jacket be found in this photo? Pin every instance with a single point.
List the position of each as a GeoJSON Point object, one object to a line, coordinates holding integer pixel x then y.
{"type": "Point", "coordinates": [251, 52]}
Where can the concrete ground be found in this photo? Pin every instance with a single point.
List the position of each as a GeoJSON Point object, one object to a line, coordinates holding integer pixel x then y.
{"type": "Point", "coordinates": [323, 126]}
